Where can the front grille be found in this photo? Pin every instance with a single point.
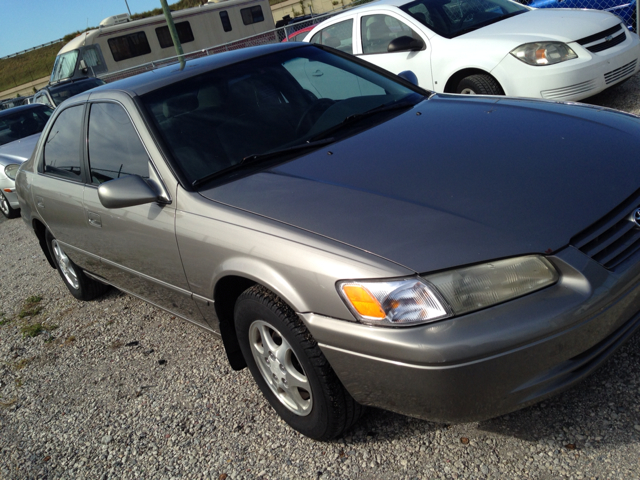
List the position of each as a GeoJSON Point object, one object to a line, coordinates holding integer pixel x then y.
{"type": "Point", "coordinates": [605, 39]}
{"type": "Point", "coordinates": [608, 44]}
{"type": "Point", "coordinates": [614, 238]}
{"type": "Point", "coordinates": [564, 92]}
{"type": "Point", "coordinates": [618, 73]}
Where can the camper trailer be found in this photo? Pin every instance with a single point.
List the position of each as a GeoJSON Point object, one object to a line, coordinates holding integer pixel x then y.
{"type": "Point", "coordinates": [120, 44]}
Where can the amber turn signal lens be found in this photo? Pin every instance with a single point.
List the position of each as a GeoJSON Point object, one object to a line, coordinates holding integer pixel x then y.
{"type": "Point", "coordinates": [364, 303]}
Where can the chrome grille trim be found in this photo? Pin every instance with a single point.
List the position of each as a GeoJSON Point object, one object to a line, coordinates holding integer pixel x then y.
{"type": "Point", "coordinates": [614, 238]}
{"type": "Point", "coordinates": [558, 93]}
{"type": "Point", "coordinates": [618, 73]}
{"type": "Point", "coordinates": [599, 36]}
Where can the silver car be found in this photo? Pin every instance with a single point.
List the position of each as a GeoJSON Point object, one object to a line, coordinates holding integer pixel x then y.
{"type": "Point", "coordinates": [20, 129]}
{"type": "Point", "coordinates": [353, 239]}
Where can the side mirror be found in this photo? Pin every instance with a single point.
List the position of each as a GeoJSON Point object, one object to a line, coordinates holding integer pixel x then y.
{"type": "Point", "coordinates": [409, 76]}
{"type": "Point", "coordinates": [126, 192]}
{"type": "Point", "coordinates": [83, 66]}
{"type": "Point", "coordinates": [405, 44]}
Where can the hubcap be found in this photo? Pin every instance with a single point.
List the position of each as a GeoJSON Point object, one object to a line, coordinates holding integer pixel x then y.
{"type": "Point", "coordinates": [4, 204]}
{"type": "Point", "coordinates": [65, 265]}
{"type": "Point", "coordinates": [467, 91]}
{"type": "Point", "coordinates": [280, 368]}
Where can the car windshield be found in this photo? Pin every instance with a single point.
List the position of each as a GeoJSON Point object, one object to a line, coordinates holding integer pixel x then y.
{"type": "Point", "coordinates": [60, 93]}
{"type": "Point", "coordinates": [64, 66]}
{"type": "Point", "coordinates": [276, 106]}
{"type": "Point", "coordinates": [23, 123]}
{"type": "Point", "coordinates": [451, 18]}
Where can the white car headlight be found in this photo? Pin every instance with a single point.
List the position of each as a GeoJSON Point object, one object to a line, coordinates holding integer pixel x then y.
{"type": "Point", "coordinates": [415, 300]}
{"type": "Point", "coordinates": [11, 170]}
{"type": "Point", "coordinates": [543, 53]}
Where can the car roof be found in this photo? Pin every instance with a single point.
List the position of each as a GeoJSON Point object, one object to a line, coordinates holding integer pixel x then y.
{"type": "Point", "coordinates": [160, 77]}
{"type": "Point", "coordinates": [58, 86]}
{"type": "Point", "coordinates": [19, 108]}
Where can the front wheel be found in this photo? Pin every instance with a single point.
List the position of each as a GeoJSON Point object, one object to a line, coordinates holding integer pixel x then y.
{"type": "Point", "coordinates": [6, 209]}
{"type": "Point", "coordinates": [479, 85]}
{"type": "Point", "coordinates": [289, 367]}
{"type": "Point", "coordinates": [80, 286]}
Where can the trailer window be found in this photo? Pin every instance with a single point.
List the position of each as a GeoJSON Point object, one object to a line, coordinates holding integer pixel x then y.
{"type": "Point", "coordinates": [129, 46]}
{"type": "Point", "coordinates": [252, 15]}
{"type": "Point", "coordinates": [185, 34]}
{"type": "Point", "coordinates": [226, 22]}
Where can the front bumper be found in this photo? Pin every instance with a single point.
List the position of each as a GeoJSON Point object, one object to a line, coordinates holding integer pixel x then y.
{"type": "Point", "coordinates": [573, 80]}
{"type": "Point", "coordinates": [494, 361]}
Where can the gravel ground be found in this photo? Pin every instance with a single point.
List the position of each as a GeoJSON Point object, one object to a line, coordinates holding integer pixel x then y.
{"type": "Point", "coordinates": [115, 388]}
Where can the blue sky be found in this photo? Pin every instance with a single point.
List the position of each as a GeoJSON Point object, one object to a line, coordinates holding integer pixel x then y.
{"type": "Point", "coordinates": [27, 23]}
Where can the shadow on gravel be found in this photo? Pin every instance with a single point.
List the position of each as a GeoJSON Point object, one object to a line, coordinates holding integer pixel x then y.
{"type": "Point", "coordinates": [605, 407]}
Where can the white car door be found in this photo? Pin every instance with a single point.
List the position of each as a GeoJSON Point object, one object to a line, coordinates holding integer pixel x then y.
{"type": "Point", "coordinates": [376, 30]}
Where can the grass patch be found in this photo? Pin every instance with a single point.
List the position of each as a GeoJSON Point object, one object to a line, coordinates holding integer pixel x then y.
{"type": "Point", "coordinates": [69, 340]}
{"type": "Point", "coordinates": [31, 307]}
{"type": "Point", "coordinates": [28, 67]}
{"type": "Point", "coordinates": [3, 320]}
{"type": "Point", "coordinates": [32, 330]}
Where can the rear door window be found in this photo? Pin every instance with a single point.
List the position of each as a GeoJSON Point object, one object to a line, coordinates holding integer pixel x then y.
{"type": "Point", "coordinates": [339, 36]}
{"type": "Point", "coordinates": [62, 154]}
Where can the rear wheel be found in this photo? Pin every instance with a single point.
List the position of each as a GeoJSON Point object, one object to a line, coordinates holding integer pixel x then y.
{"type": "Point", "coordinates": [289, 367]}
{"type": "Point", "coordinates": [80, 286]}
{"type": "Point", "coordinates": [479, 85]}
{"type": "Point", "coordinates": [6, 208]}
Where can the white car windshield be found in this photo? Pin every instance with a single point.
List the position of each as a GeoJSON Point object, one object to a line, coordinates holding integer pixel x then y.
{"type": "Point", "coordinates": [451, 18]}
{"type": "Point", "coordinates": [64, 66]}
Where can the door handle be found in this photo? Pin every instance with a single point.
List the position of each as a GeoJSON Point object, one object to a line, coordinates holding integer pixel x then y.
{"type": "Point", "coordinates": [94, 219]}
{"type": "Point", "coordinates": [317, 73]}
{"type": "Point", "coordinates": [39, 202]}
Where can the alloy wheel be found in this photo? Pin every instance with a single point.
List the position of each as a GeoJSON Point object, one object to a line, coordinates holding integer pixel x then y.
{"type": "Point", "coordinates": [280, 368]}
{"type": "Point", "coordinates": [66, 267]}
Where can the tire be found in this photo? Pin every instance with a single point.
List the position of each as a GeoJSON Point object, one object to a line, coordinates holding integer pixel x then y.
{"type": "Point", "coordinates": [6, 208]}
{"type": "Point", "coordinates": [289, 367]}
{"type": "Point", "coordinates": [80, 286]}
{"type": "Point", "coordinates": [479, 85]}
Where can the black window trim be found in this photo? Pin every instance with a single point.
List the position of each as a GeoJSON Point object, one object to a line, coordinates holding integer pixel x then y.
{"type": "Point", "coordinates": [181, 40]}
{"type": "Point", "coordinates": [251, 11]}
{"type": "Point", "coordinates": [45, 134]}
{"type": "Point", "coordinates": [228, 18]}
{"type": "Point", "coordinates": [127, 35]}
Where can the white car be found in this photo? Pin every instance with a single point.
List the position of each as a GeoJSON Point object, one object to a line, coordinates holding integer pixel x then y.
{"type": "Point", "coordinates": [495, 47]}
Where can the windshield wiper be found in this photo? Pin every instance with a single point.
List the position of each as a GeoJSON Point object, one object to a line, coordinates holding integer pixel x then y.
{"type": "Point", "coordinates": [258, 157]}
{"type": "Point", "coordinates": [359, 116]}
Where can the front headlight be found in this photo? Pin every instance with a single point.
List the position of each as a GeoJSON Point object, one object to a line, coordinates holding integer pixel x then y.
{"type": "Point", "coordinates": [11, 170]}
{"type": "Point", "coordinates": [543, 53]}
{"type": "Point", "coordinates": [412, 301]}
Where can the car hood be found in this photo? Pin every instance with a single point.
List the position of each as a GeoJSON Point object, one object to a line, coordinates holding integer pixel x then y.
{"type": "Point", "coordinates": [18, 151]}
{"type": "Point", "coordinates": [563, 25]}
{"type": "Point", "coordinates": [467, 180]}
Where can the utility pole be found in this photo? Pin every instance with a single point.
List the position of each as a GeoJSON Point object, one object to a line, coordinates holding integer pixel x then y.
{"type": "Point", "coordinates": [173, 32]}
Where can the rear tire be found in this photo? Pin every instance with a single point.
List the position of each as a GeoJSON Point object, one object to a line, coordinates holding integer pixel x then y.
{"type": "Point", "coordinates": [80, 286]}
{"type": "Point", "coordinates": [479, 85]}
{"type": "Point", "coordinates": [289, 367]}
{"type": "Point", "coordinates": [6, 208]}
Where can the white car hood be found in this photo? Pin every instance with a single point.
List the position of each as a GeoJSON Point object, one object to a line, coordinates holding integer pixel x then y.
{"type": "Point", "coordinates": [563, 25]}
{"type": "Point", "coordinates": [18, 151]}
